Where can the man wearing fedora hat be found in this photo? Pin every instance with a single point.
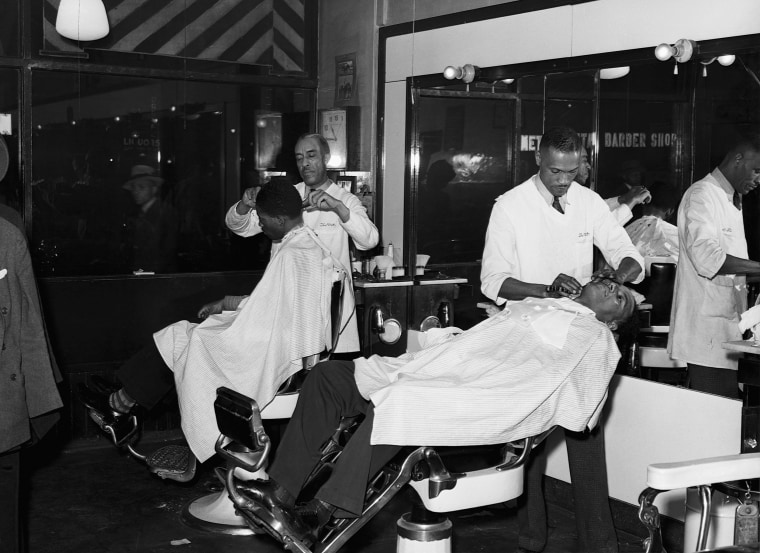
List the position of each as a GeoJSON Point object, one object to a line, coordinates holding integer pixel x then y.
{"type": "Point", "coordinates": [153, 228]}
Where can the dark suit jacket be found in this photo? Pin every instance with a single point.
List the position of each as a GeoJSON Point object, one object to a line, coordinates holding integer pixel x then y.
{"type": "Point", "coordinates": [28, 390]}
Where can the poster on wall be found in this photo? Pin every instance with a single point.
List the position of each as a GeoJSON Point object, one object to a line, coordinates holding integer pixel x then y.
{"type": "Point", "coordinates": [345, 78]}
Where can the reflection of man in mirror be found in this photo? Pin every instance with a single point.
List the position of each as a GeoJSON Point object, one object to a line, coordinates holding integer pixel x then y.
{"type": "Point", "coordinates": [153, 227]}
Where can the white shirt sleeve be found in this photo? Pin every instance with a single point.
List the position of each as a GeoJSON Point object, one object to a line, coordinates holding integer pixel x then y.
{"type": "Point", "coordinates": [611, 239]}
{"type": "Point", "coordinates": [702, 234]}
{"type": "Point", "coordinates": [359, 227]}
{"type": "Point", "coordinates": [242, 225]}
{"type": "Point", "coordinates": [499, 254]}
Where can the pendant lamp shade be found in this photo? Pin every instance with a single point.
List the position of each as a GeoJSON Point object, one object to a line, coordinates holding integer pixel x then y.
{"type": "Point", "coordinates": [82, 19]}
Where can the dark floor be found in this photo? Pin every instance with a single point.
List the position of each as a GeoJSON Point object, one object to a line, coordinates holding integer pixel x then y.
{"type": "Point", "coordinates": [90, 498]}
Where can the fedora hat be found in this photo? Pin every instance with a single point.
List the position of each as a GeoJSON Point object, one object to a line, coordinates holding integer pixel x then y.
{"type": "Point", "coordinates": [142, 172]}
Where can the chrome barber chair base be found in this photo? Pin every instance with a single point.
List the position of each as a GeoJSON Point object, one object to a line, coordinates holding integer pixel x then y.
{"type": "Point", "coordinates": [215, 512]}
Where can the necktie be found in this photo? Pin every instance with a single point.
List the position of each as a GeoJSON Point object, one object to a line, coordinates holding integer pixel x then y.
{"type": "Point", "coordinates": [738, 201]}
{"type": "Point", "coordinates": [556, 205]}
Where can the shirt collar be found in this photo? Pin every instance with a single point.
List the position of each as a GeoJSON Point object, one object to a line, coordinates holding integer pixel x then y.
{"type": "Point", "coordinates": [546, 195]}
{"type": "Point", "coordinates": [722, 181]}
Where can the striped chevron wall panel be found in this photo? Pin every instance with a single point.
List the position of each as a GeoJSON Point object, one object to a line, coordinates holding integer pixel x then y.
{"type": "Point", "coordinates": [258, 32]}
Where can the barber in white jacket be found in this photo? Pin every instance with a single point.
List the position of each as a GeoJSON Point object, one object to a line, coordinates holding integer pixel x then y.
{"type": "Point", "coordinates": [330, 211]}
{"type": "Point", "coordinates": [711, 290]}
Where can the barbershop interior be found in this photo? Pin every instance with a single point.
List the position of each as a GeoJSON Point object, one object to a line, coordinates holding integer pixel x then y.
{"type": "Point", "coordinates": [515, 382]}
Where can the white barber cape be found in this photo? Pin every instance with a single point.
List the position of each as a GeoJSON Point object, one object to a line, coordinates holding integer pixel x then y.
{"type": "Point", "coordinates": [334, 234]}
{"type": "Point", "coordinates": [537, 364]}
{"type": "Point", "coordinates": [259, 345]}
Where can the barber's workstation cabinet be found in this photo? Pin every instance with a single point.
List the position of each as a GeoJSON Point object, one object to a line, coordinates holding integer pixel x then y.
{"type": "Point", "coordinates": [387, 309]}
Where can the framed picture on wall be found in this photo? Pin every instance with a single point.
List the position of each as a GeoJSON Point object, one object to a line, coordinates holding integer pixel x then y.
{"type": "Point", "coordinates": [345, 78]}
{"type": "Point", "coordinates": [347, 183]}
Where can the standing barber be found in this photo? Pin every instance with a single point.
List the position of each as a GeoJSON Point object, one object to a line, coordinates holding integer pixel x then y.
{"type": "Point", "coordinates": [711, 291]}
{"type": "Point", "coordinates": [332, 212]}
{"type": "Point", "coordinates": [540, 243]}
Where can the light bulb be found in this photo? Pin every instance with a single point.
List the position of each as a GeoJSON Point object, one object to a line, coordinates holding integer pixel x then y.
{"type": "Point", "coordinates": [664, 52]}
{"type": "Point", "coordinates": [452, 72]}
{"type": "Point", "coordinates": [726, 59]}
{"type": "Point", "coordinates": [507, 81]}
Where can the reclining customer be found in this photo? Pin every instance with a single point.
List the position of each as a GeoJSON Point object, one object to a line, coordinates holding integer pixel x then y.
{"type": "Point", "coordinates": [248, 343]}
{"type": "Point", "coordinates": [539, 363]}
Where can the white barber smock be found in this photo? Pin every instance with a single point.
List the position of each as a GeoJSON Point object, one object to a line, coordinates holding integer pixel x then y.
{"type": "Point", "coordinates": [334, 234]}
{"type": "Point", "coordinates": [537, 364]}
{"type": "Point", "coordinates": [259, 345]}
{"type": "Point", "coordinates": [707, 306]}
{"type": "Point", "coordinates": [529, 240]}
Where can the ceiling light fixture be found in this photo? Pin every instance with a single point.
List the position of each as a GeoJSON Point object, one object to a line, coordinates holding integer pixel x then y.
{"type": "Point", "coordinates": [614, 72]}
{"type": "Point", "coordinates": [82, 19]}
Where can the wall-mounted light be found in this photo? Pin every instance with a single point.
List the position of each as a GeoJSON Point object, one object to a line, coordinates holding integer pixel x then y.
{"type": "Point", "coordinates": [82, 19]}
{"type": "Point", "coordinates": [725, 60]}
{"type": "Point", "coordinates": [681, 51]}
{"type": "Point", "coordinates": [467, 73]}
{"type": "Point", "coordinates": [614, 72]}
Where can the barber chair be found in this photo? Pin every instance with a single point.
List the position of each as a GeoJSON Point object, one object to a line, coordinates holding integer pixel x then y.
{"type": "Point", "coordinates": [176, 462]}
{"type": "Point", "coordinates": [705, 475]}
{"type": "Point", "coordinates": [215, 512]}
{"type": "Point", "coordinates": [653, 359]}
{"type": "Point", "coordinates": [245, 445]}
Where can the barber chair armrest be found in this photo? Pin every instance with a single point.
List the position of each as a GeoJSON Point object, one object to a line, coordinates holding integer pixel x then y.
{"type": "Point", "coordinates": [697, 472]}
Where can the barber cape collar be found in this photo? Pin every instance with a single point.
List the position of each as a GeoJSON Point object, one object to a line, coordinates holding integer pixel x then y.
{"type": "Point", "coordinates": [549, 318]}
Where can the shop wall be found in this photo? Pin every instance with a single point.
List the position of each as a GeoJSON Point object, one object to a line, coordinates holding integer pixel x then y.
{"type": "Point", "coordinates": [347, 28]}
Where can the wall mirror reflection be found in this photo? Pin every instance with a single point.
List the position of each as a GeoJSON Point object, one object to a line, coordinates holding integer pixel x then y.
{"type": "Point", "coordinates": [642, 121]}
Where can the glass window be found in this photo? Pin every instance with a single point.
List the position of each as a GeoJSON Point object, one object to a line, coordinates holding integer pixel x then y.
{"type": "Point", "coordinates": [9, 27]}
{"type": "Point", "coordinates": [11, 192]}
{"type": "Point", "coordinates": [134, 173]}
{"type": "Point", "coordinates": [465, 147]}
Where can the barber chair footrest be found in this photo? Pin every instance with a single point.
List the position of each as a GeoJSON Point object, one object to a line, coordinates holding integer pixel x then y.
{"type": "Point", "coordinates": [175, 462]}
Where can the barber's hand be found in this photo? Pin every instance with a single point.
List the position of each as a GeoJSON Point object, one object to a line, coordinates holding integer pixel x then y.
{"type": "Point", "coordinates": [635, 196]}
{"type": "Point", "coordinates": [566, 286]}
{"type": "Point", "coordinates": [607, 273]}
{"type": "Point", "coordinates": [319, 200]}
{"type": "Point", "coordinates": [213, 308]}
{"type": "Point", "coordinates": [248, 201]}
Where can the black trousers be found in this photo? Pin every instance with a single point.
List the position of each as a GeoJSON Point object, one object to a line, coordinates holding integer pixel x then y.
{"type": "Point", "coordinates": [328, 394]}
{"type": "Point", "coordinates": [145, 377]}
{"type": "Point", "coordinates": [721, 382]}
{"type": "Point", "coordinates": [588, 475]}
{"type": "Point", "coordinates": [10, 517]}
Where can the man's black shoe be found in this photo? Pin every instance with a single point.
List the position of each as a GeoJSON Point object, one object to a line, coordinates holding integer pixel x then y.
{"type": "Point", "coordinates": [100, 385]}
{"type": "Point", "coordinates": [273, 514]}
{"type": "Point", "coordinates": [121, 427]}
{"type": "Point", "coordinates": [97, 400]}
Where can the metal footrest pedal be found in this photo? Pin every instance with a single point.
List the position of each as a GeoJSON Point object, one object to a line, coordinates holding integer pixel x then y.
{"type": "Point", "coordinates": [175, 462]}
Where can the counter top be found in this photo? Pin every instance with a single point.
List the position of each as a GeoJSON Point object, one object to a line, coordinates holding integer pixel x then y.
{"type": "Point", "coordinates": [432, 281]}
{"type": "Point", "coordinates": [381, 283]}
{"type": "Point", "coordinates": [745, 346]}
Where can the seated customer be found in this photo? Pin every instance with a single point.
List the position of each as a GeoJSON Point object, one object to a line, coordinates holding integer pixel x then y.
{"type": "Point", "coordinates": [651, 233]}
{"type": "Point", "coordinates": [537, 364]}
{"type": "Point", "coordinates": [248, 343]}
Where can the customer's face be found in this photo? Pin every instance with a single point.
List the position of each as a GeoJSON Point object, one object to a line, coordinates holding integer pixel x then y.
{"type": "Point", "coordinates": [270, 225]}
{"type": "Point", "coordinates": [311, 161]}
{"type": "Point", "coordinates": [557, 170]}
{"type": "Point", "coordinates": [611, 301]}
